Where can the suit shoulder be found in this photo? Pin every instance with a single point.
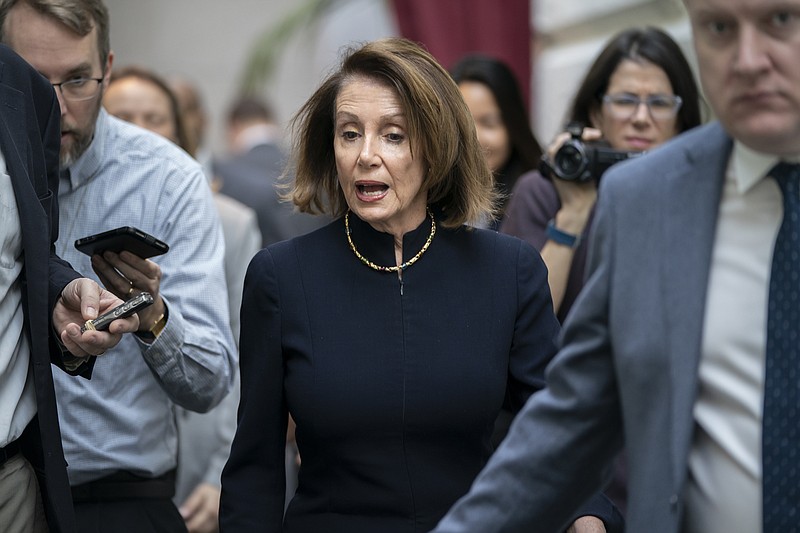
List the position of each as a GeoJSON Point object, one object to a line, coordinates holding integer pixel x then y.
{"type": "Point", "coordinates": [492, 244]}
{"type": "Point", "coordinates": [676, 156]}
{"type": "Point", "coordinates": [316, 242]}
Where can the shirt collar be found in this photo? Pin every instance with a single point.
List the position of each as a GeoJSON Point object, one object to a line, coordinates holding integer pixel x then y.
{"type": "Point", "coordinates": [88, 164]}
{"type": "Point", "coordinates": [749, 167]}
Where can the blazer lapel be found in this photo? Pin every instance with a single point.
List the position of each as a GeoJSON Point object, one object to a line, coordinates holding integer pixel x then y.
{"type": "Point", "coordinates": [689, 238]}
{"type": "Point", "coordinates": [12, 124]}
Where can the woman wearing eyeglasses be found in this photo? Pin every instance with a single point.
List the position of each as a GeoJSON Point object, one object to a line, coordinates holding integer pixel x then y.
{"type": "Point", "coordinates": [638, 93]}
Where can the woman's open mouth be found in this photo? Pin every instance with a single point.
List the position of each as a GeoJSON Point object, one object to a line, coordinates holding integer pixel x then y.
{"type": "Point", "coordinates": [370, 192]}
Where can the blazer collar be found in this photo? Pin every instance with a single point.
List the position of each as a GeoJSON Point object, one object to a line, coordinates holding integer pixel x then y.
{"type": "Point", "coordinates": [12, 119]}
{"type": "Point", "coordinates": [17, 153]}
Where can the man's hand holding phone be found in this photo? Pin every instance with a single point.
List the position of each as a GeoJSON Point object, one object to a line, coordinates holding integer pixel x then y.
{"type": "Point", "coordinates": [127, 275]}
{"type": "Point", "coordinates": [120, 260]}
{"type": "Point", "coordinates": [81, 300]}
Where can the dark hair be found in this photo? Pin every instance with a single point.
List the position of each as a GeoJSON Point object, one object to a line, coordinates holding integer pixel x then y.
{"type": "Point", "coordinates": [248, 108]}
{"type": "Point", "coordinates": [440, 128]}
{"type": "Point", "coordinates": [500, 80]}
{"type": "Point", "coordinates": [151, 77]}
{"type": "Point", "coordinates": [650, 44]}
{"type": "Point", "coordinates": [80, 16]}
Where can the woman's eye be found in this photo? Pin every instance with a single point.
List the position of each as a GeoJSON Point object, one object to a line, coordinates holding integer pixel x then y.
{"type": "Point", "coordinates": [350, 135]}
{"type": "Point", "coordinates": [627, 101]}
{"type": "Point", "coordinates": [395, 137]}
{"type": "Point", "coordinates": [660, 102]}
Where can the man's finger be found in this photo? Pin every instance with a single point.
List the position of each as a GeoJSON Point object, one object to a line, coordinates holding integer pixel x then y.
{"type": "Point", "coordinates": [89, 294]}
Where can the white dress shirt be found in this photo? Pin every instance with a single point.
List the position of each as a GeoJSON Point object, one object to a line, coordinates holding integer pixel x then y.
{"type": "Point", "coordinates": [724, 491]}
{"type": "Point", "coordinates": [17, 395]}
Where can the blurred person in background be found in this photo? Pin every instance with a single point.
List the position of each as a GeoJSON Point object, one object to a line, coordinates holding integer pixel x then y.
{"type": "Point", "coordinates": [195, 121]}
{"type": "Point", "coordinates": [138, 95]}
{"type": "Point", "coordinates": [394, 334]}
{"type": "Point", "coordinates": [252, 171]}
{"type": "Point", "coordinates": [492, 93]}
{"type": "Point", "coordinates": [638, 93]}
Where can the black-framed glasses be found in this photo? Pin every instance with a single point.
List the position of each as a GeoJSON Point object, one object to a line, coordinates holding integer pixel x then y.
{"type": "Point", "coordinates": [79, 89]}
{"type": "Point", "coordinates": [660, 106]}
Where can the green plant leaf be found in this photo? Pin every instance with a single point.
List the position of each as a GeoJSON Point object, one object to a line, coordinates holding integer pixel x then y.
{"type": "Point", "coordinates": [267, 48]}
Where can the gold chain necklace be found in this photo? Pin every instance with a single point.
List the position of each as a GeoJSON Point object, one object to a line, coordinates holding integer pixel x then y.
{"type": "Point", "coordinates": [391, 268]}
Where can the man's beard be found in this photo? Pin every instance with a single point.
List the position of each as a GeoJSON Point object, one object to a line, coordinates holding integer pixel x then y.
{"type": "Point", "coordinates": [81, 142]}
{"type": "Point", "coordinates": [81, 139]}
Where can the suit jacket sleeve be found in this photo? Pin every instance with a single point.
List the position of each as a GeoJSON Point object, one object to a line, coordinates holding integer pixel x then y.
{"type": "Point", "coordinates": [535, 331]}
{"type": "Point", "coordinates": [534, 345]}
{"type": "Point", "coordinates": [256, 464]}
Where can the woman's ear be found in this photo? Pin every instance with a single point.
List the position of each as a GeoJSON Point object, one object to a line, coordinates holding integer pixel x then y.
{"type": "Point", "coordinates": [596, 118]}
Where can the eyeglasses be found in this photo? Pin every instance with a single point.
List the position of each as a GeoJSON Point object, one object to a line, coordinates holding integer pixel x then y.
{"type": "Point", "coordinates": [79, 89]}
{"type": "Point", "coordinates": [660, 106]}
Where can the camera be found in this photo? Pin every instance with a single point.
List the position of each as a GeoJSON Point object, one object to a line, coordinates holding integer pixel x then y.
{"type": "Point", "coordinates": [579, 161]}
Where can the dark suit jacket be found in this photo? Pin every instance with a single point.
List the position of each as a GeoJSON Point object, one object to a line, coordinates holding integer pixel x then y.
{"type": "Point", "coordinates": [30, 139]}
{"type": "Point", "coordinates": [251, 178]}
{"type": "Point", "coordinates": [630, 358]}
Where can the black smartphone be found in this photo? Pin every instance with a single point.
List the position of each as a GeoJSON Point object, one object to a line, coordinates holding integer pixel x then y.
{"type": "Point", "coordinates": [127, 238]}
{"type": "Point", "coordinates": [134, 305]}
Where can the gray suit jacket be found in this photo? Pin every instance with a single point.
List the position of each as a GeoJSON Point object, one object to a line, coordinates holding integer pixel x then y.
{"type": "Point", "coordinates": [630, 356]}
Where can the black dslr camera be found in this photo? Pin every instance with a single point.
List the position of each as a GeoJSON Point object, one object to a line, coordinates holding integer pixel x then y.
{"type": "Point", "coordinates": [581, 162]}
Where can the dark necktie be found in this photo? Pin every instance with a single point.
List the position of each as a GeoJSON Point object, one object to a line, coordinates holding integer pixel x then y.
{"type": "Point", "coordinates": [781, 434]}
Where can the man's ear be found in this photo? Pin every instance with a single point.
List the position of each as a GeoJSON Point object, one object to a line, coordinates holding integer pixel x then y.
{"type": "Point", "coordinates": [107, 71]}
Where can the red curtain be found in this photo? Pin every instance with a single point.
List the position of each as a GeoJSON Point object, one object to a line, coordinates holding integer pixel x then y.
{"type": "Point", "coordinates": [453, 28]}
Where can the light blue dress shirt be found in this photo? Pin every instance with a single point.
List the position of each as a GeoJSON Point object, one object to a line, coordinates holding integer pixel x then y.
{"type": "Point", "coordinates": [123, 418]}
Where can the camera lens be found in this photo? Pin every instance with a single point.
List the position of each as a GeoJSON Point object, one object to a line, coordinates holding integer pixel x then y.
{"type": "Point", "coordinates": [569, 162]}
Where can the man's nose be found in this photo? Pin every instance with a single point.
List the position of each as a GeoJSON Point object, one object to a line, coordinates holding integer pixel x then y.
{"type": "Point", "coordinates": [751, 53]}
{"type": "Point", "coordinates": [62, 102]}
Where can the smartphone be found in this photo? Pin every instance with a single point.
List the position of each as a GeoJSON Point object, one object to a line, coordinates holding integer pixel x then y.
{"type": "Point", "coordinates": [127, 238]}
{"type": "Point", "coordinates": [134, 305]}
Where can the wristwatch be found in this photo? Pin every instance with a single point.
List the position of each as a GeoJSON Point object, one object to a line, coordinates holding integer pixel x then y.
{"type": "Point", "coordinates": [562, 237]}
{"type": "Point", "coordinates": [155, 330]}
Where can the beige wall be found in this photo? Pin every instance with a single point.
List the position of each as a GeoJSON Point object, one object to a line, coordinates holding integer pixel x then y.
{"type": "Point", "coordinates": [208, 41]}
